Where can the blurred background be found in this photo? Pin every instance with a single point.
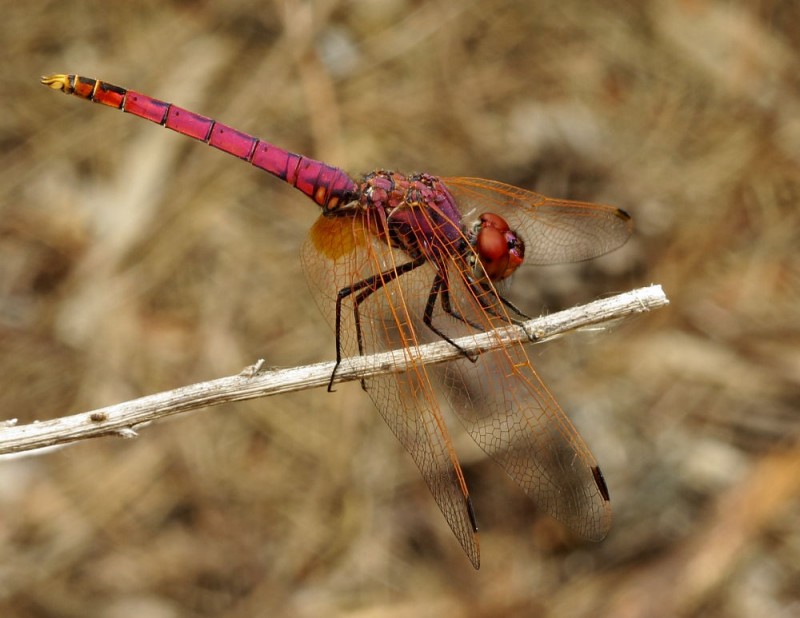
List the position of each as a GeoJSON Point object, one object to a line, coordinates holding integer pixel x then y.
{"type": "Point", "coordinates": [134, 260]}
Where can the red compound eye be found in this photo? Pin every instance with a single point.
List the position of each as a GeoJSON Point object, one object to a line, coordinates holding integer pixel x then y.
{"type": "Point", "coordinates": [492, 249]}
{"type": "Point", "coordinates": [499, 249]}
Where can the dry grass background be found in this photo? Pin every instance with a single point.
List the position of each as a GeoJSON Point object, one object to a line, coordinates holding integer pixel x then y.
{"type": "Point", "coordinates": [133, 260]}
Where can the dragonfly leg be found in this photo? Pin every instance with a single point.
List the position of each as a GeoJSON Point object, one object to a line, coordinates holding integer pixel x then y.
{"type": "Point", "coordinates": [439, 287]}
{"type": "Point", "coordinates": [448, 309]}
{"type": "Point", "coordinates": [478, 293]}
{"type": "Point", "coordinates": [364, 289]}
{"type": "Point", "coordinates": [515, 321]}
{"type": "Point", "coordinates": [511, 306]}
{"type": "Point", "coordinates": [489, 308]}
{"type": "Point", "coordinates": [340, 296]}
{"type": "Point", "coordinates": [532, 336]}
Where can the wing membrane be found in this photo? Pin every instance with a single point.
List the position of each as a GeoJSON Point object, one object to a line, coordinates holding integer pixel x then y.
{"type": "Point", "coordinates": [513, 417]}
{"type": "Point", "coordinates": [554, 231]}
{"type": "Point", "coordinates": [406, 402]}
{"type": "Point", "coordinates": [500, 400]}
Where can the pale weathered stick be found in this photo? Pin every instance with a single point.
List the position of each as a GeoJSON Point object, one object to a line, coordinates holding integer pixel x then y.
{"type": "Point", "coordinates": [253, 382]}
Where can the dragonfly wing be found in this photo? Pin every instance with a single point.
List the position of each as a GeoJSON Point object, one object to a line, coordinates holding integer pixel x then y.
{"type": "Point", "coordinates": [554, 231]}
{"type": "Point", "coordinates": [502, 402]}
{"type": "Point", "coordinates": [509, 412]}
{"type": "Point", "coordinates": [404, 402]}
{"type": "Point", "coordinates": [339, 253]}
{"type": "Point", "coordinates": [513, 417]}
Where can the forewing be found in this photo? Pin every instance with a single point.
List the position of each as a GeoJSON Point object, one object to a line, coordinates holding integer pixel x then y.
{"type": "Point", "coordinates": [554, 231]}
{"type": "Point", "coordinates": [340, 252]}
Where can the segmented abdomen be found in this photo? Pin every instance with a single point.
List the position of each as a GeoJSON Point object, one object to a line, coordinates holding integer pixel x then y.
{"type": "Point", "coordinates": [328, 186]}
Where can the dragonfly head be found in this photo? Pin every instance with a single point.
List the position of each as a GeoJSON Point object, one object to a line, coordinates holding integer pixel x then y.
{"type": "Point", "coordinates": [498, 250]}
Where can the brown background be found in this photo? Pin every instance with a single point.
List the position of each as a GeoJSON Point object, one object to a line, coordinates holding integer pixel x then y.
{"type": "Point", "coordinates": [133, 260]}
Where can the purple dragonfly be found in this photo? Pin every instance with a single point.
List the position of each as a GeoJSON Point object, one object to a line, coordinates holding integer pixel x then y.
{"type": "Point", "coordinates": [398, 260]}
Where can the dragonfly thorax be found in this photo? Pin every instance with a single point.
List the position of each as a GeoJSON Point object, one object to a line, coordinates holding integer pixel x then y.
{"type": "Point", "coordinates": [415, 213]}
{"type": "Point", "coordinates": [497, 249]}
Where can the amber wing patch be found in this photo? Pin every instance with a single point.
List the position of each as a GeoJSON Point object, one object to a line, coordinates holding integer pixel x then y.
{"type": "Point", "coordinates": [336, 237]}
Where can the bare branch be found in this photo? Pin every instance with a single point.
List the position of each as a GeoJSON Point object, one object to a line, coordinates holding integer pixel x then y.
{"type": "Point", "coordinates": [122, 419]}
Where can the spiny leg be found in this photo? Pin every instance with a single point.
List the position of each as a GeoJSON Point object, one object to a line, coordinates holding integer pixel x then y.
{"type": "Point", "coordinates": [439, 287]}
{"type": "Point", "coordinates": [366, 287]}
{"type": "Point", "coordinates": [448, 309]}
{"type": "Point", "coordinates": [509, 304]}
{"type": "Point", "coordinates": [492, 311]}
{"type": "Point", "coordinates": [477, 291]}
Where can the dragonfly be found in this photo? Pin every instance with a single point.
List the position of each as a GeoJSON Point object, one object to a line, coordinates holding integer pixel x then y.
{"type": "Point", "coordinates": [398, 260]}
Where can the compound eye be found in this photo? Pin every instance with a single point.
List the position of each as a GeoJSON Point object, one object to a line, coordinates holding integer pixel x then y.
{"type": "Point", "coordinates": [499, 249]}
{"type": "Point", "coordinates": [489, 219]}
{"type": "Point", "coordinates": [492, 248]}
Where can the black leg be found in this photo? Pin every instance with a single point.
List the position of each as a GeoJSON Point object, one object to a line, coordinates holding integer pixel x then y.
{"type": "Point", "coordinates": [512, 306]}
{"type": "Point", "coordinates": [440, 287]}
{"type": "Point", "coordinates": [365, 287]}
{"type": "Point", "coordinates": [479, 290]}
{"type": "Point", "coordinates": [506, 302]}
{"type": "Point", "coordinates": [448, 309]}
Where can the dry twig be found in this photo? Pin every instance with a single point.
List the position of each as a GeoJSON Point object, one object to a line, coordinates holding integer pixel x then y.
{"type": "Point", "coordinates": [122, 419]}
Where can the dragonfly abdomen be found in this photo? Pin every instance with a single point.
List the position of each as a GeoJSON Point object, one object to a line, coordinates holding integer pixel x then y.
{"type": "Point", "coordinates": [328, 186]}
